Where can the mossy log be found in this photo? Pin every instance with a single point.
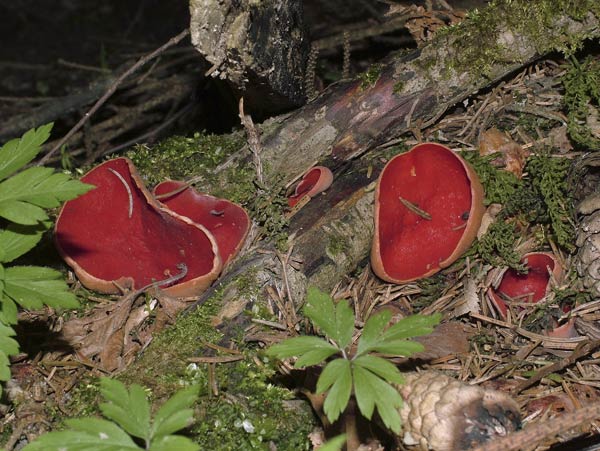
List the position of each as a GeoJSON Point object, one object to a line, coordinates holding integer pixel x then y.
{"type": "Point", "coordinates": [405, 93]}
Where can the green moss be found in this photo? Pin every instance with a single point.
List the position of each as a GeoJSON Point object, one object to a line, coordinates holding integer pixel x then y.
{"type": "Point", "coordinates": [497, 246]}
{"type": "Point", "coordinates": [478, 35]}
{"type": "Point", "coordinates": [181, 157]}
{"type": "Point", "coordinates": [336, 244]}
{"type": "Point", "coordinates": [549, 179]}
{"type": "Point", "coordinates": [500, 186]}
{"type": "Point", "coordinates": [250, 412]}
{"type": "Point", "coordinates": [582, 91]}
{"type": "Point", "coordinates": [370, 76]}
{"type": "Point", "coordinates": [163, 366]}
{"type": "Point", "coordinates": [268, 209]}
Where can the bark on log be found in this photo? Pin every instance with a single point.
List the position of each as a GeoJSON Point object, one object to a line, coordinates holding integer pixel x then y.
{"type": "Point", "coordinates": [260, 48]}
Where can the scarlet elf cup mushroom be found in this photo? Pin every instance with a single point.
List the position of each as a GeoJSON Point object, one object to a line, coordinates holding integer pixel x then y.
{"type": "Point", "coordinates": [118, 236]}
{"type": "Point", "coordinates": [428, 208]}
{"type": "Point", "coordinates": [227, 221]}
{"type": "Point", "coordinates": [529, 287]}
{"type": "Point", "coordinates": [316, 180]}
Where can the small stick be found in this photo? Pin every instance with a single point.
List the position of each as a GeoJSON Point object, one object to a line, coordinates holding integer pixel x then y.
{"type": "Point", "coordinates": [126, 185]}
{"type": "Point", "coordinates": [416, 210]}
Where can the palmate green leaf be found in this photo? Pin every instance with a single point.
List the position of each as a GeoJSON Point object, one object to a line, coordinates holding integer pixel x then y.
{"type": "Point", "coordinates": [17, 240]}
{"type": "Point", "coordinates": [42, 187]}
{"type": "Point", "coordinates": [85, 434]}
{"type": "Point", "coordinates": [315, 357]}
{"type": "Point", "coordinates": [371, 391]}
{"type": "Point", "coordinates": [174, 443]}
{"type": "Point", "coordinates": [33, 286]}
{"type": "Point", "coordinates": [412, 326]}
{"type": "Point", "coordinates": [128, 408]}
{"type": "Point", "coordinates": [381, 367]}
{"type": "Point", "coordinates": [336, 321]}
{"type": "Point", "coordinates": [16, 153]}
{"type": "Point", "coordinates": [175, 413]}
{"type": "Point", "coordinates": [337, 377]}
{"type": "Point", "coordinates": [298, 346]}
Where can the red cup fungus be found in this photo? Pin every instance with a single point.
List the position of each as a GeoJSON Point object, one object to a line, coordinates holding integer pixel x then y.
{"type": "Point", "coordinates": [428, 208]}
{"type": "Point", "coordinates": [228, 222]}
{"type": "Point", "coordinates": [315, 181]}
{"type": "Point", "coordinates": [118, 236]}
{"type": "Point", "coordinates": [531, 287]}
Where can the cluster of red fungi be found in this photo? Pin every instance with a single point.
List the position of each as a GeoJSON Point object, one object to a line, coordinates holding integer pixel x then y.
{"type": "Point", "coordinates": [428, 209]}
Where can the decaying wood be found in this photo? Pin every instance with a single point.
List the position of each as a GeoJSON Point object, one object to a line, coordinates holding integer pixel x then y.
{"type": "Point", "coordinates": [259, 48]}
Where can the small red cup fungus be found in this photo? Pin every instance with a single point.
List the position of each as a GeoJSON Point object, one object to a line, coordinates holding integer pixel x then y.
{"type": "Point", "coordinates": [315, 181]}
{"type": "Point", "coordinates": [428, 208]}
{"type": "Point", "coordinates": [117, 236]}
{"type": "Point", "coordinates": [530, 287]}
{"type": "Point", "coordinates": [228, 222]}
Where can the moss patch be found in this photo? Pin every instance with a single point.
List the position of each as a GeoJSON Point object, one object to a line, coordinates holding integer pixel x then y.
{"type": "Point", "coordinates": [479, 34]}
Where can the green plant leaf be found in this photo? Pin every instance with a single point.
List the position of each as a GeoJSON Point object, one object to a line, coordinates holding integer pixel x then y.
{"type": "Point", "coordinates": [337, 377]}
{"type": "Point", "coordinates": [175, 413]}
{"type": "Point", "coordinates": [22, 212]}
{"type": "Point", "coordinates": [403, 348]}
{"type": "Point", "coordinates": [17, 240]}
{"type": "Point", "coordinates": [41, 186]}
{"type": "Point", "coordinates": [315, 357]}
{"type": "Point", "coordinates": [9, 312]}
{"type": "Point", "coordinates": [336, 321]}
{"type": "Point", "coordinates": [371, 391]}
{"type": "Point", "coordinates": [129, 409]}
{"type": "Point", "coordinates": [8, 346]}
{"type": "Point", "coordinates": [174, 443]}
{"type": "Point", "coordinates": [412, 326]}
{"type": "Point", "coordinates": [372, 330]}
{"type": "Point", "coordinates": [297, 346]}
{"type": "Point", "coordinates": [33, 286]}
{"type": "Point", "coordinates": [85, 434]}
{"type": "Point", "coordinates": [16, 153]}
{"type": "Point", "coordinates": [334, 444]}
{"type": "Point", "coordinates": [381, 367]}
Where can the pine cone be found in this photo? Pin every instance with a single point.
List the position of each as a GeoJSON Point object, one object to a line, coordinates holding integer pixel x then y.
{"type": "Point", "coordinates": [444, 414]}
{"type": "Point", "coordinates": [588, 242]}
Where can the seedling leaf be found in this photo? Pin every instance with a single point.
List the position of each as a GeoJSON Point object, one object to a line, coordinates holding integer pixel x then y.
{"type": "Point", "coordinates": [335, 320]}
{"type": "Point", "coordinates": [175, 413]}
{"type": "Point", "coordinates": [33, 286]}
{"type": "Point", "coordinates": [381, 367]}
{"type": "Point", "coordinates": [339, 393]}
{"type": "Point", "coordinates": [371, 391]}
{"type": "Point", "coordinates": [16, 153]}
{"type": "Point", "coordinates": [86, 434]}
{"type": "Point", "coordinates": [297, 346]}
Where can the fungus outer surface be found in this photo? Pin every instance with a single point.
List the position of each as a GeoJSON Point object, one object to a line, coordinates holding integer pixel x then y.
{"type": "Point", "coordinates": [118, 233]}
{"type": "Point", "coordinates": [429, 205]}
